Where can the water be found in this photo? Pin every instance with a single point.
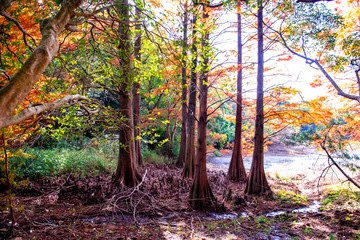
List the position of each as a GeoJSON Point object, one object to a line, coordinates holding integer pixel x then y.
{"type": "Point", "coordinates": [313, 208]}
{"type": "Point", "coordinates": [282, 161]}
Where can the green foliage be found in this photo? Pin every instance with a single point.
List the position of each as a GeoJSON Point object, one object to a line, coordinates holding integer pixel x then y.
{"type": "Point", "coordinates": [37, 163]}
{"type": "Point", "coordinates": [307, 134]}
{"type": "Point", "coordinates": [222, 132]}
{"type": "Point", "coordinates": [312, 29]}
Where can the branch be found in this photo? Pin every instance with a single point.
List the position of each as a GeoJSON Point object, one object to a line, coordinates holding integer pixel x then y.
{"type": "Point", "coordinates": [11, 19]}
{"type": "Point", "coordinates": [31, 111]}
{"type": "Point", "coordinates": [13, 93]}
{"type": "Point", "coordinates": [337, 166]}
{"type": "Point", "coordinates": [317, 63]}
{"type": "Point", "coordinates": [4, 73]}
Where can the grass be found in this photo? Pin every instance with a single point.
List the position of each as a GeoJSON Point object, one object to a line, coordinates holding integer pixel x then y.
{"type": "Point", "coordinates": [35, 163]}
{"type": "Point", "coordinates": [100, 157]}
{"type": "Point", "coordinates": [151, 157]}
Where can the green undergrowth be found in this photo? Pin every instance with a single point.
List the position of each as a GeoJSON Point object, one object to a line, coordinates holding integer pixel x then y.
{"type": "Point", "coordinates": [99, 158]}
{"type": "Point", "coordinates": [35, 163]}
{"type": "Point", "coordinates": [341, 199]}
{"type": "Point", "coordinates": [152, 157]}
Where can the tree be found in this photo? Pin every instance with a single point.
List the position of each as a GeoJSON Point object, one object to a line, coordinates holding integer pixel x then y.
{"type": "Point", "coordinates": [188, 170]}
{"type": "Point", "coordinates": [126, 172]}
{"type": "Point", "coordinates": [136, 89]}
{"type": "Point", "coordinates": [257, 182]}
{"type": "Point", "coordinates": [236, 168]}
{"type": "Point", "coordinates": [184, 90]}
{"type": "Point", "coordinates": [21, 83]}
{"type": "Point", "coordinates": [201, 196]}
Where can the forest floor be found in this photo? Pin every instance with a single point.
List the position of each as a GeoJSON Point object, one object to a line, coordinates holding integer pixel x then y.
{"type": "Point", "coordinates": [74, 208]}
{"type": "Point", "coordinates": [92, 208]}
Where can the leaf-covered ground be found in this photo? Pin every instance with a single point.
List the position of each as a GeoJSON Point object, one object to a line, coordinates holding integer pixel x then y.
{"type": "Point", "coordinates": [92, 208]}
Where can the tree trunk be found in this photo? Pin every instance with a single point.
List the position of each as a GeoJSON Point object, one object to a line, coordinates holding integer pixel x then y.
{"type": "Point", "coordinates": [13, 93]}
{"type": "Point", "coordinates": [201, 196]}
{"type": "Point", "coordinates": [236, 169]}
{"type": "Point", "coordinates": [181, 158]}
{"type": "Point", "coordinates": [257, 182]}
{"type": "Point", "coordinates": [136, 92]}
{"type": "Point", "coordinates": [126, 172]}
{"type": "Point", "coordinates": [188, 170]}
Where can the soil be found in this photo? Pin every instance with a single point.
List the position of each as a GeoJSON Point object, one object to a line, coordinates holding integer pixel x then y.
{"type": "Point", "coordinates": [92, 208]}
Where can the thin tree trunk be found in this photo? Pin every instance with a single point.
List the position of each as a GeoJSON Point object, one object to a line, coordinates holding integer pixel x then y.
{"type": "Point", "coordinates": [184, 90]}
{"type": "Point", "coordinates": [126, 172]}
{"type": "Point", "coordinates": [136, 92]}
{"type": "Point", "coordinates": [236, 169]}
{"type": "Point", "coordinates": [201, 196]}
{"type": "Point", "coordinates": [188, 170]}
{"type": "Point", "coordinates": [257, 182]}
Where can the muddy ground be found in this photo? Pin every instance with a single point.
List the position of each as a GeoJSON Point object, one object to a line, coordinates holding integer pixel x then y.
{"type": "Point", "coordinates": [92, 208]}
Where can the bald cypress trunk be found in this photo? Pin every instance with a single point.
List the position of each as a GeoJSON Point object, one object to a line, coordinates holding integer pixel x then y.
{"type": "Point", "coordinates": [181, 158]}
{"type": "Point", "coordinates": [126, 172]}
{"type": "Point", "coordinates": [257, 182]}
{"type": "Point", "coordinates": [188, 170]}
{"type": "Point", "coordinates": [136, 92]}
{"type": "Point", "coordinates": [236, 168]}
{"type": "Point", "coordinates": [201, 196]}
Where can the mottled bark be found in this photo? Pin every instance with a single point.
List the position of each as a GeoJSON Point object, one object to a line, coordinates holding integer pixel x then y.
{"type": "Point", "coordinates": [201, 196]}
{"type": "Point", "coordinates": [136, 92]}
{"type": "Point", "coordinates": [13, 93]}
{"type": "Point", "coordinates": [126, 172]}
{"type": "Point", "coordinates": [184, 90]}
{"type": "Point", "coordinates": [188, 170]}
{"type": "Point", "coordinates": [257, 182]}
{"type": "Point", "coordinates": [236, 168]}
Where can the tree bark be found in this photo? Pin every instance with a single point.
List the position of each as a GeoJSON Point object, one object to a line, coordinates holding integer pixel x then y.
{"type": "Point", "coordinates": [181, 158]}
{"type": "Point", "coordinates": [237, 170]}
{"type": "Point", "coordinates": [257, 182]}
{"type": "Point", "coordinates": [188, 170]}
{"type": "Point", "coordinates": [201, 196]}
{"type": "Point", "coordinates": [136, 92]}
{"type": "Point", "coordinates": [126, 172]}
{"type": "Point", "coordinates": [13, 93]}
